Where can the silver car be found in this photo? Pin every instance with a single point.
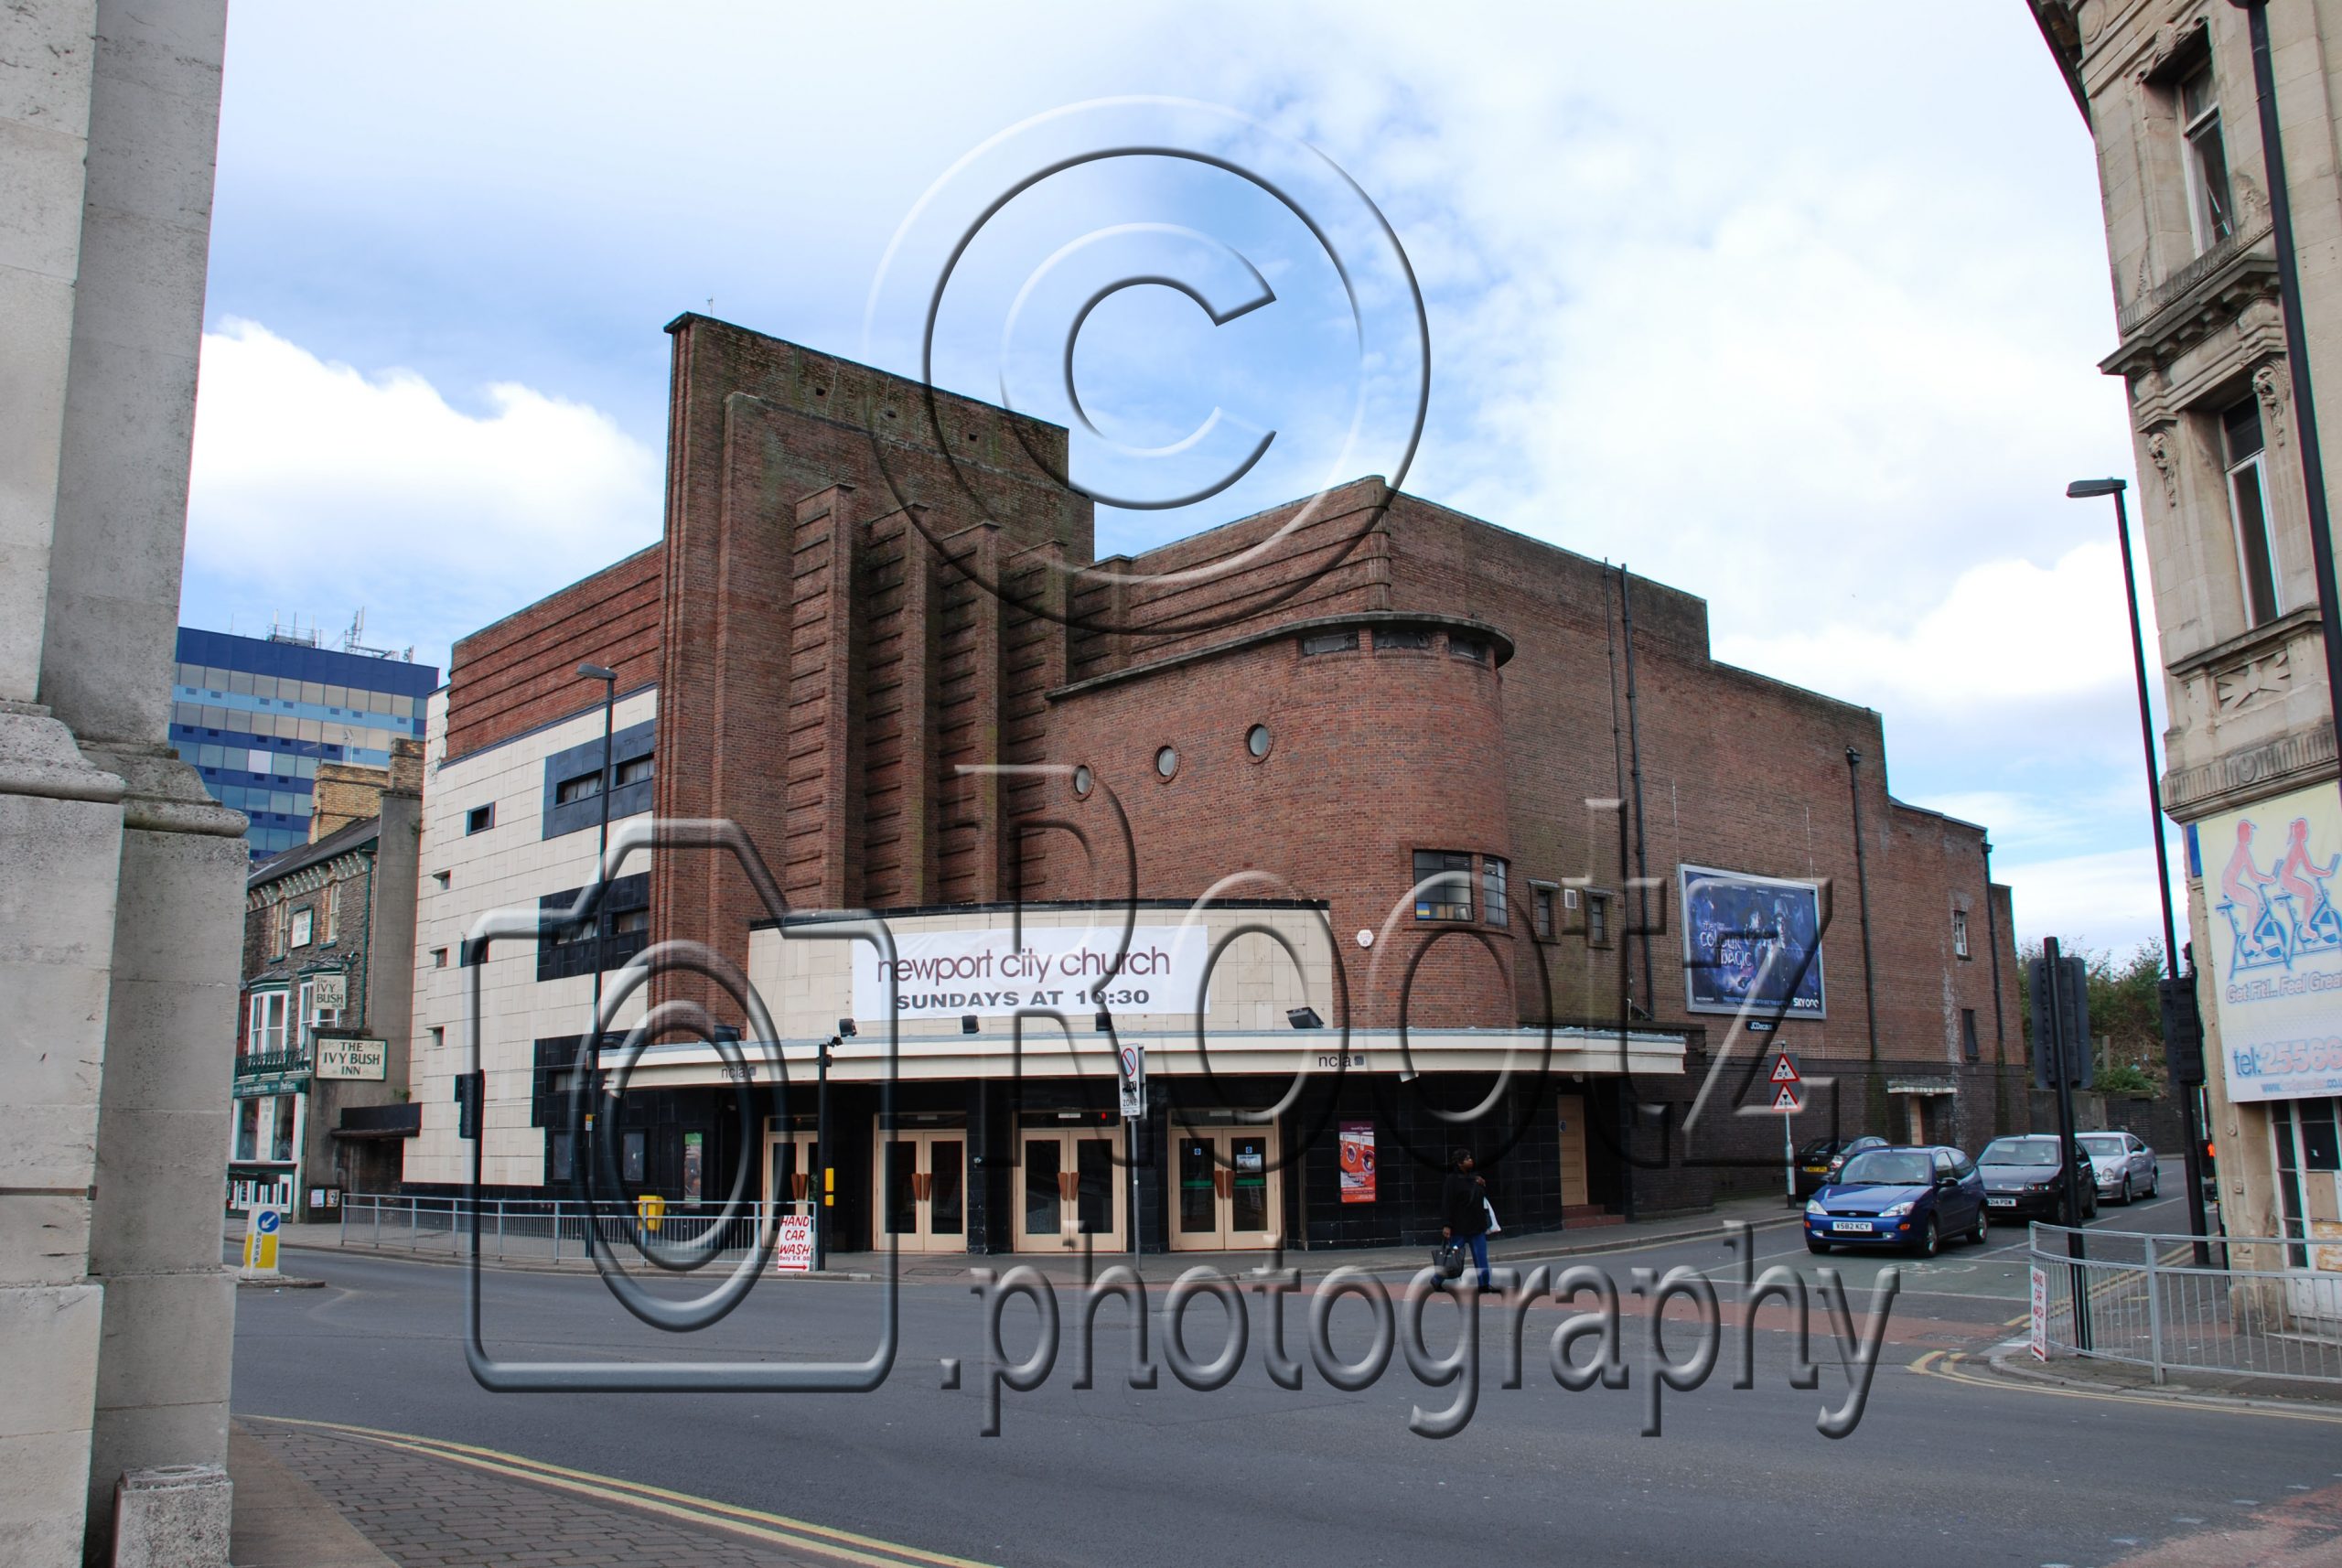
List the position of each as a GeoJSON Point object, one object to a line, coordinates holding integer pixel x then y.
{"type": "Point", "coordinates": [2124, 1166]}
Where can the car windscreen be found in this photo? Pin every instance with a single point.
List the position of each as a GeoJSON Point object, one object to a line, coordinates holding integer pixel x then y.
{"type": "Point", "coordinates": [2102, 1145]}
{"type": "Point", "coordinates": [1820, 1149]}
{"type": "Point", "coordinates": [2020, 1152]}
{"type": "Point", "coordinates": [1887, 1167]}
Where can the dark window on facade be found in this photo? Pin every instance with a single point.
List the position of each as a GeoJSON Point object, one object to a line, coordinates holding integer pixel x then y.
{"type": "Point", "coordinates": [1969, 1048]}
{"type": "Point", "coordinates": [572, 781]}
{"type": "Point", "coordinates": [1468, 648]}
{"type": "Point", "coordinates": [1330, 641]}
{"type": "Point", "coordinates": [1413, 636]}
{"type": "Point", "coordinates": [1598, 920]}
{"type": "Point", "coordinates": [1492, 890]}
{"type": "Point", "coordinates": [621, 930]}
{"type": "Point", "coordinates": [1960, 933]}
{"type": "Point", "coordinates": [1541, 912]}
{"type": "Point", "coordinates": [479, 818]}
{"type": "Point", "coordinates": [1443, 884]}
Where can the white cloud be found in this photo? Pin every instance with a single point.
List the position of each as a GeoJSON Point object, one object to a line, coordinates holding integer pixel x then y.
{"type": "Point", "coordinates": [2006, 633]}
{"type": "Point", "coordinates": [313, 480]}
{"type": "Point", "coordinates": [2103, 900]}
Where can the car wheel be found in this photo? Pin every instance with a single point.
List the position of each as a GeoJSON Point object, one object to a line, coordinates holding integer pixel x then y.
{"type": "Point", "coordinates": [1930, 1240]}
{"type": "Point", "coordinates": [1813, 1246]}
{"type": "Point", "coordinates": [2155, 1183]}
{"type": "Point", "coordinates": [1983, 1231]}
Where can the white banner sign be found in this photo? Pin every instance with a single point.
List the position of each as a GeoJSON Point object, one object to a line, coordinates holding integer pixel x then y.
{"type": "Point", "coordinates": [947, 974]}
{"type": "Point", "coordinates": [2276, 944]}
{"type": "Point", "coordinates": [362, 1059]}
{"type": "Point", "coordinates": [331, 989]}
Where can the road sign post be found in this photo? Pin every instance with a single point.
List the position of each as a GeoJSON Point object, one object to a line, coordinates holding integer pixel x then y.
{"type": "Point", "coordinates": [1786, 1081]}
{"type": "Point", "coordinates": [1130, 1068]}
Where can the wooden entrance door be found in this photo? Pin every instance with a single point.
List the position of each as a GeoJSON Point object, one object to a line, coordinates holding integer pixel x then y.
{"type": "Point", "coordinates": [1571, 1137]}
{"type": "Point", "coordinates": [922, 1190]}
{"type": "Point", "coordinates": [1068, 1185]}
{"type": "Point", "coordinates": [1226, 1196]}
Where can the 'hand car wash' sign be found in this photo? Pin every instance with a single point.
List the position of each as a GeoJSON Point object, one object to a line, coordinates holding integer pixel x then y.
{"type": "Point", "coordinates": [1072, 969]}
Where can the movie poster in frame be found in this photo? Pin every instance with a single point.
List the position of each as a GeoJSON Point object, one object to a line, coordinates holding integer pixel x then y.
{"type": "Point", "coordinates": [1733, 922]}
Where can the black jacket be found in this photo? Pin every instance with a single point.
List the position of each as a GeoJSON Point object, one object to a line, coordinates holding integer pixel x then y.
{"type": "Point", "coordinates": [1460, 1205]}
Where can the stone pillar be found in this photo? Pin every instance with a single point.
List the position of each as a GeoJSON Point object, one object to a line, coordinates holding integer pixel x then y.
{"type": "Point", "coordinates": [119, 910]}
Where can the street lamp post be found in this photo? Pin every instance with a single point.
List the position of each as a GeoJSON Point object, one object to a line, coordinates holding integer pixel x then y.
{"type": "Point", "coordinates": [609, 680]}
{"type": "Point", "coordinates": [2083, 489]}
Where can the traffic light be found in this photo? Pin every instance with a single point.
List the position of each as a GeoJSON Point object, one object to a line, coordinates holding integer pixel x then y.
{"type": "Point", "coordinates": [2183, 1031]}
{"type": "Point", "coordinates": [2073, 998]}
{"type": "Point", "coordinates": [468, 1088]}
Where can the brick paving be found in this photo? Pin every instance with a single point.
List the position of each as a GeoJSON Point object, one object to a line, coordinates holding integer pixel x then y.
{"type": "Point", "coordinates": [430, 1513]}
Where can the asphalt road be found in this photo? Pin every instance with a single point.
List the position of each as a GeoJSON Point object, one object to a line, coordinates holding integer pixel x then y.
{"type": "Point", "coordinates": [1937, 1471]}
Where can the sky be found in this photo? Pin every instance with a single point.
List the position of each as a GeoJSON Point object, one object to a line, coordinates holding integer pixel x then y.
{"type": "Point", "coordinates": [1793, 306]}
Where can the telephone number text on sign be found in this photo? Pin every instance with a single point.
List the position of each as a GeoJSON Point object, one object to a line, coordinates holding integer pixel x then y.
{"type": "Point", "coordinates": [988, 973]}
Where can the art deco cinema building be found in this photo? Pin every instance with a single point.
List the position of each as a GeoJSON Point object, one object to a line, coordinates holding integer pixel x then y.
{"type": "Point", "coordinates": [1405, 824]}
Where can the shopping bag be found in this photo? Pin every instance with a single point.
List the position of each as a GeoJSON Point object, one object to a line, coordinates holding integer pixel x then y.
{"type": "Point", "coordinates": [1493, 1225]}
{"type": "Point", "coordinates": [1448, 1259]}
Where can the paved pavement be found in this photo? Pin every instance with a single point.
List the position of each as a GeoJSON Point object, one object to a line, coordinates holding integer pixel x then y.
{"type": "Point", "coordinates": [1950, 1462]}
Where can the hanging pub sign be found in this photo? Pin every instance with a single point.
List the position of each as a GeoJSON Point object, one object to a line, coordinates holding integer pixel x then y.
{"type": "Point", "coordinates": [352, 1057]}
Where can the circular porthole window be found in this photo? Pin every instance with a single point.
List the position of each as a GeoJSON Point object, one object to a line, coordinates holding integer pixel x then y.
{"type": "Point", "coordinates": [1167, 761]}
{"type": "Point", "coordinates": [1081, 779]}
{"type": "Point", "coordinates": [1256, 741]}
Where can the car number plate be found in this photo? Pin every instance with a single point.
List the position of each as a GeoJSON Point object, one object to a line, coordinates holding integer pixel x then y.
{"type": "Point", "coordinates": [1817, 1170]}
{"type": "Point", "coordinates": [1850, 1225]}
{"type": "Point", "coordinates": [2002, 1202]}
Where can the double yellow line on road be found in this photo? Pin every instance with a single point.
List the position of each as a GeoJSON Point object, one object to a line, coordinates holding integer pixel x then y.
{"type": "Point", "coordinates": [1948, 1365]}
{"type": "Point", "coordinates": [752, 1524]}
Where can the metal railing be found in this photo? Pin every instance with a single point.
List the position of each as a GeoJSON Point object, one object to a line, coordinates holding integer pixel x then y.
{"type": "Point", "coordinates": [554, 1231]}
{"type": "Point", "coordinates": [2143, 1299]}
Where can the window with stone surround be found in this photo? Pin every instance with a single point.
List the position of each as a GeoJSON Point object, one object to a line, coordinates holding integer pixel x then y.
{"type": "Point", "coordinates": [2256, 550]}
{"type": "Point", "coordinates": [2211, 215]}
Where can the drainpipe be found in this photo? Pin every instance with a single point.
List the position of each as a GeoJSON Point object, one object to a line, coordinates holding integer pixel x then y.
{"type": "Point", "coordinates": [1875, 1097]}
{"type": "Point", "coordinates": [2000, 1033]}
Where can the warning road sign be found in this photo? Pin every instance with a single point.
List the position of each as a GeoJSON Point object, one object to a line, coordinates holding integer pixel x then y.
{"type": "Point", "coordinates": [1786, 1100]}
{"type": "Point", "coordinates": [1785, 1069]}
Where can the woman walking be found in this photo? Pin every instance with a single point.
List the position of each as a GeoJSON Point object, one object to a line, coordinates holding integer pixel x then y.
{"type": "Point", "coordinates": [1463, 1211]}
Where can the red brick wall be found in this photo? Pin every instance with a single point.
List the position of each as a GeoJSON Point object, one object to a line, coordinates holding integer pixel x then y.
{"type": "Point", "coordinates": [1374, 755]}
{"type": "Point", "coordinates": [521, 672]}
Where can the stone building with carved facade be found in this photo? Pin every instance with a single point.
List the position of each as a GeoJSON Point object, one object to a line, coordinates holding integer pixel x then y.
{"type": "Point", "coordinates": [2167, 88]}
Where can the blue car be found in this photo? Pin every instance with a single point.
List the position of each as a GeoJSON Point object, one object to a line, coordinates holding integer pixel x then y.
{"type": "Point", "coordinates": [1911, 1198]}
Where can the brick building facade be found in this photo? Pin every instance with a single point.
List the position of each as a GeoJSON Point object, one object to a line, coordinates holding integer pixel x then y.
{"type": "Point", "coordinates": [1436, 781]}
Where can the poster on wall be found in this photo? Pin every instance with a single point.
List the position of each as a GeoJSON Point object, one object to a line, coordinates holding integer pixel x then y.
{"type": "Point", "coordinates": [1751, 941]}
{"type": "Point", "coordinates": [989, 973]}
{"type": "Point", "coordinates": [1356, 1139]}
{"type": "Point", "coordinates": [2276, 971]}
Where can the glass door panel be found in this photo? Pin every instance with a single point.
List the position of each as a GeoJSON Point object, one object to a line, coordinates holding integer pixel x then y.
{"type": "Point", "coordinates": [1249, 1183]}
{"type": "Point", "coordinates": [1044, 1212]}
{"type": "Point", "coordinates": [1095, 1195]}
{"type": "Point", "coordinates": [946, 1208]}
{"type": "Point", "coordinates": [1198, 1192]}
{"type": "Point", "coordinates": [898, 1204]}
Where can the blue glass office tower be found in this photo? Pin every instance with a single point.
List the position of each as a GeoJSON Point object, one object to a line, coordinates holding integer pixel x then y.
{"type": "Point", "coordinates": [256, 715]}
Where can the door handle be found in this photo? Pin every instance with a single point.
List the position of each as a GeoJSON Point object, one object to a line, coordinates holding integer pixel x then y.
{"type": "Point", "coordinates": [1221, 1182]}
{"type": "Point", "coordinates": [922, 1184]}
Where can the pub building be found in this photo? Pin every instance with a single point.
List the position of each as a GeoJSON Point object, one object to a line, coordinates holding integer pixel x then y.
{"type": "Point", "coordinates": [1409, 832]}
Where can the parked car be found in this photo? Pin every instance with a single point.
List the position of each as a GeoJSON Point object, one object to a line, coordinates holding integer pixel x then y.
{"type": "Point", "coordinates": [2025, 1178]}
{"type": "Point", "coordinates": [2125, 1166]}
{"type": "Point", "coordinates": [1818, 1162]}
{"type": "Point", "coordinates": [1911, 1197]}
